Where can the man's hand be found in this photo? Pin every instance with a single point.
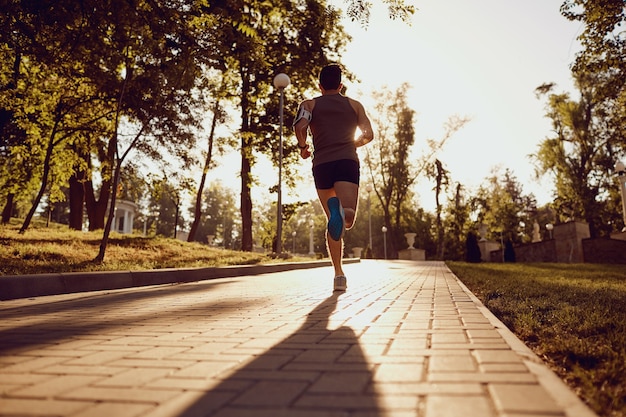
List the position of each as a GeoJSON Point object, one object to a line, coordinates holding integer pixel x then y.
{"type": "Point", "coordinates": [305, 152]}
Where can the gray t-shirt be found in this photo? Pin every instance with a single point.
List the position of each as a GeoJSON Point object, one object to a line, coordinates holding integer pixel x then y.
{"type": "Point", "coordinates": [333, 126]}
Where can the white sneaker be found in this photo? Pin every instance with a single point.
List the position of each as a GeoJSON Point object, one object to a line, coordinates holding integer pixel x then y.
{"type": "Point", "coordinates": [341, 283]}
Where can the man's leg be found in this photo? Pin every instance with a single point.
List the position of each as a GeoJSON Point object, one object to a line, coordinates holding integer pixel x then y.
{"type": "Point", "coordinates": [335, 247]}
{"type": "Point", "coordinates": [348, 194]}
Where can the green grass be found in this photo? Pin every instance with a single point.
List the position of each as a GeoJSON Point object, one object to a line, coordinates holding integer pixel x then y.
{"type": "Point", "coordinates": [58, 249]}
{"type": "Point", "coordinates": [571, 315]}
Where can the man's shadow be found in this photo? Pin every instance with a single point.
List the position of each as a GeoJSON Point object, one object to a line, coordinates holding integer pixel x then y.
{"type": "Point", "coordinates": [314, 370]}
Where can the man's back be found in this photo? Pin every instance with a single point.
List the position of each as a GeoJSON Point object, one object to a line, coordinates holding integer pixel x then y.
{"type": "Point", "coordinates": [333, 127]}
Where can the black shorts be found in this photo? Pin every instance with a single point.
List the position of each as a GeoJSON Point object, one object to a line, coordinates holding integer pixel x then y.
{"type": "Point", "coordinates": [327, 174]}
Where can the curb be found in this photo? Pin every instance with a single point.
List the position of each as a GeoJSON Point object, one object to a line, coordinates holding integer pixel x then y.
{"type": "Point", "coordinates": [38, 285]}
{"type": "Point", "coordinates": [561, 393]}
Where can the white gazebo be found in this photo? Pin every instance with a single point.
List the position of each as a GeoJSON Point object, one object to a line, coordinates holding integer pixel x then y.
{"type": "Point", "coordinates": [124, 216]}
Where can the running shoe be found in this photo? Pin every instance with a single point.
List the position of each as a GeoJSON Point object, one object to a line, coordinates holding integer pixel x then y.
{"type": "Point", "coordinates": [336, 222]}
{"type": "Point", "coordinates": [341, 283]}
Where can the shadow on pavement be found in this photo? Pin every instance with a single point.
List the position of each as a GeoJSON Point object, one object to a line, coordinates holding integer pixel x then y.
{"type": "Point", "coordinates": [314, 372]}
{"type": "Point", "coordinates": [43, 323]}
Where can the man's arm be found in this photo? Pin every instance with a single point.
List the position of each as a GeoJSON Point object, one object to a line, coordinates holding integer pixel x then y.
{"type": "Point", "coordinates": [364, 124]}
{"type": "Point", "coordinates": [301, 126]}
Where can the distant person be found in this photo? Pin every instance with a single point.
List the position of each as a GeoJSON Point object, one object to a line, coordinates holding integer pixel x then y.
{"type": "Point", "coordinates": [333, 120]}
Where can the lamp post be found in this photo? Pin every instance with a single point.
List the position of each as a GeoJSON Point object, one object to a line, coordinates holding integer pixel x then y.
{"type": "Point", "coordinates": [281, 81]}
{"type": "Point", "coordinates": [620, 170]}
{"type": "Point", "coordinates": [550, 227]}
{"type": "Point", "coordinates": [293, 236]}
{"type": "Point", "coordinates": [311, 249]}
{"type": "Point", "coordinates": [369, 189]}
{"type": "Point", "coordinates": [384, 230]}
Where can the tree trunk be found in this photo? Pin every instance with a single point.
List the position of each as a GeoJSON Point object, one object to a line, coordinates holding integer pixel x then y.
{"type": "Point", "coordinates": [96, 208]}
{"type": "Point", "coordinates": [246, 168]}
{"type": "Point", "coordinates": [107, 229]}
{"type": "Point", "coordinates": [77, 200]}
{"type": "Point", "coordinates": [197, 212]}
{"type": "Point", "coordinates": [44, 182]}
{"type": "Point", "coordinates": [439, 226]}
{"type": "Point", "coordinates": [198, 207]}
{"type": "Point", "coordinates": [246, 198]}
{"type": "Point", "coordinates": [7, 212]}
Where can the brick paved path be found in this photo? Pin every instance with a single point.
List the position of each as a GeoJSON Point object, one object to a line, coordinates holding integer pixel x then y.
{"type": "Point", "coordinates": [407, 339]}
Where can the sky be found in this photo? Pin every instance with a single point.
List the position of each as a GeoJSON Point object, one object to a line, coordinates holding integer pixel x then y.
{"type": "Point", "coordinates": [481, 59]}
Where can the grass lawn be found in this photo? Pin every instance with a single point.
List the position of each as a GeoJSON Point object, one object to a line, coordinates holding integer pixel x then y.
{"type": "Point", "coordinates": [58, 249]}
{"type": "Point", "coordinates": [571, 315]}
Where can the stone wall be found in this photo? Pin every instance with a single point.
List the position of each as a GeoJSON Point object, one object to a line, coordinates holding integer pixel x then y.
{"type": "Point", "coordinates": [605, 251]}
{"type": "Point", "coordinates": [545, 251]}
{"type": "Point", "coordinates": [568, 238]}
{"type": "Point", "coordinates": [571, 244]}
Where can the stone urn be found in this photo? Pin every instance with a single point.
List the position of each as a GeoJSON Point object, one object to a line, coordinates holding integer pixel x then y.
{"type": "Point", "coordinates": [410, 239]}
{"type": "Point", "coordinates": [482, 232]}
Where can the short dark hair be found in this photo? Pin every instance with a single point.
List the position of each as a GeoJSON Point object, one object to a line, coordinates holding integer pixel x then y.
{"type": "Point", "coordinates": [330, 77]}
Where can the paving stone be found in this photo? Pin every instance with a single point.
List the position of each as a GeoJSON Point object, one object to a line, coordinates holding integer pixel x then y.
{"type": "Point", "coordinates": [55, 386]}
{"type": "Point", "coordinates": [36, 407]}
{"type": "Point", "coordinates": [113, 409]}
{"type": "Point", "coordinates": [454, 406]}
{"type": "Point", "coordinates": [271, 393]}
{"type": "Point", "coordinates": [404, 340]}
{"type": "Point", "coordinates": [514, 398]}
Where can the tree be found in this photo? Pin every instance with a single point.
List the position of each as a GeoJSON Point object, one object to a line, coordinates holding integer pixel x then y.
{"type": "Point", "coordinates": [263, 39]}
{"type": "Point", "coordinates": [579, 156]}
{"type": "Point", "coordinates": [88, 45]}
{"type": "Point", "coordinates": [18, 161]}
{"type": "Point", "coordinates": [600, 72]}
{"type": "Point", "coordinates": [503, 207]}
{"type": "Point", "coordinates": [218, 215]}
{"type": "Point", "coordinates": [456, 224]}
{"type": "Point", "coordinates": [68, 118]}
{"type": "Point", "coordinates": [603, 58]}
{"type": "Point", "coordinates": [207, 163]}
{"type": "Point", "coordinates": [142, 62]}
{"type": "Point", "coordinates": [388, 158]}
{"type": "Point", "coordinates": [437, 171]}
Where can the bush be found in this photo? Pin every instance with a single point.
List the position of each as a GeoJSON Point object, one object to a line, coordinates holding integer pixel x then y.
{"type": "Point", "coordinates": [472, 251]}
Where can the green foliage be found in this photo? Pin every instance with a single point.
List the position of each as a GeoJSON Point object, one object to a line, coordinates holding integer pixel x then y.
{"type": "Point", "coordinates": [359, 10]}
{"type": "Point", "coordinates": [388, 158]}
{"type": "Point", "coordinates": [594, 128]}
{"type": "Point", "coordinates": [504, 208]}
{"type": "Point", "coordinates": [579, 157]}
{"type": "Point", "coordinates": [290, 37]}
{"type": "Point", "coordinates": [456, 224]}
{"type": "Point", "coordinates": [85, 84]}
{"type": "Point", "coordinates": [218, 216]}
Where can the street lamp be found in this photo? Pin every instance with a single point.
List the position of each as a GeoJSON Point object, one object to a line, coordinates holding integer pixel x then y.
{"type": "Point", "coordinates": [384, 230]}
{"type": "Point", "coordinates": [369, 189]}
{"type": "Point", "coordinates": [311, 249]}
{"type": "Point", "coordinates": [550, 227]}
{"type": "Point", "coordinates": [281, 81]}
{"type": "Point", "coordinates": [293, 235]}
{"type": "Point", "coordinates": [620, 170]}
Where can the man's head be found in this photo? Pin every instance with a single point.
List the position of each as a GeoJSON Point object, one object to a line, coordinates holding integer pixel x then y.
{"type": "Point", "coordinates": [330, 77]}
